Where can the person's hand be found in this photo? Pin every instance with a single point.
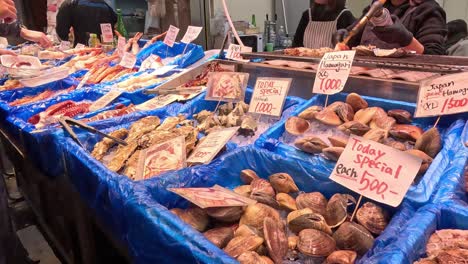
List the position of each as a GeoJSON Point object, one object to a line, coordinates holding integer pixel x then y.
{"type": "Point", "coordinates": [339, 36]}
{"type": "Point", "coordinates": [396, 33]}
{"type": "Point", "coordinates": [7, 52]}
{"type": "Point", "coordinates": [36, 36]}
{"type": "Point", "coordinates": [7, 10]}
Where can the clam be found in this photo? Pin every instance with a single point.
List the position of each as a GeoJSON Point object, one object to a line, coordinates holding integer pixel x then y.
{"type": "Point", "coordinates": [292, 242]}
{"type": "Point", "coordinates": [338, 141]}
{"type": "Point", "coordinates": [395, 144]}
{"type": "Point", "coordinates": [219, 236]}
{"type": "Point", "coordinates": [245, 230]}
{"type": "Point", "coordinates": [247, 176]}
{"type": "Point", "coordinates": [275, 239]}
{"type": "Point", "coordinates": [356, 101]}
{"type": "Point", "coordinates": [352, 236]}
{"type": "Point", "coordinates": [345, 112]}
{"type": "Point", "coordinates": [333, 153]}
{"type": "Point", "coordinates": [286, 201]}
{"type": "Point", "coordinates": [307, 219]}
{"type": "Point", "coordinates": [372, 217]}
{"type": "Point", "coordinates": [364, 116]}
{"type": "Point", "coordinates": [177, 211]}
{"type": "Point", "coordinates": [243, 190]}
{"type": "Point", "coordinates": [314, 201]}
{"type": "Point", "coordinates": [401, 116]}
{"type": "Point", "coordinates": [337, 209]}
{"type": "Point", "coordinates": [283, 183]}
{"type": "Point", "coordinates": [196, 217]}
{"type": "Point", "coordinates": [328, 117]}
{"type": "Point", "coordinates": [241, 244]}
{"type": "Point", "coordinates": [250, 257]}
{"type": "Point", "coordinates": [254, 215]}
{"type": "Point", "coordinates": [430, 142]}
{"type": "Point", "coordinates": [309, 113]}
{"type": "Point", "coordinates": [385, 122]}
{"type": "Point", "coordinates": [376, 134]}
{"type": "Point", "coordinates": [354, 127]}
{"type": "Point", "coordinates": [426, 160]}
{"type": "Point", "coordinates": [262, 186]}
{"type": "Point", "coordinates": [265, 199]}
{"type": "Point", "coordinates": [313, 145]}
{"type": "Point", "coordinates": [225, 214]}
{"type": "Point", "coordinates": [406, 132]}
{"type": "Point", "coordinates": [341, 257]}
{"type": "Point", "coordinates": [267, 260]}
{"type": "Point", "coordinates": [297, 126]}
{"type": "Point", "coordinates": [315, 243]}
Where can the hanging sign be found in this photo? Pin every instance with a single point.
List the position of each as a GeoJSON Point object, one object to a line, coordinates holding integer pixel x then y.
{"type": "Point", "coordinates": [234, 52]}
{"type": "Point", "coordinates": [191, 34]}
{"type": "Point", "coordinates": [128, 60]}
{"type": "Point", "coordinates": [333, 72]}
{"type": "Point", "coordinates": [269, 96]}
{"type": "Point", "coordinates": [105, 100]}
{"type": "Point", "coordinates": [444, 95]}
{"type": "Point", "coordinates": [376, 171]}
{"type": "Point", "coordinates": [157, 102]}
{"type": "Point", "coordinates": [226, 86]}
{"type": "Point", "coordinates": [171, 36]}
{"type": "Point", "coordinates": [107, 34]}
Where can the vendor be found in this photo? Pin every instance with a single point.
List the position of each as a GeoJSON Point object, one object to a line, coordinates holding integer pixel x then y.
{"type": "Point", "coordinates": [457, 38]}
{"type": "Point", "coordinates": [418, 25]}
{"type": "Point", "coordinates": [320, 22]}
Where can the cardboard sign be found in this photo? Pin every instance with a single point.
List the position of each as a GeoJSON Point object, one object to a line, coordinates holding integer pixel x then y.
{"type": "Point", "coordinates": [216, 196]}
{"type": "Point", "coordinates": [65, 45]}
{"type": "Point", "coordinates": [107, 34]}
{"type": "Point", "coordinates": [121, 43]}
{"type": "Point", "coordinates": [333, 72]}
{"type": "Point", "coordinates": [376, 171]}
{"type": "Point", "coordinates": [84, 80]}
{"type": "Point", "coordinates": [157, 102]}
{"type": "Point", "coordinates": [171, 36]}
{"type": "Point", "coordinates": [444, 95]}
{"type": "Point", "coordinates": [234, 52]}
{"type": "Point", "coordinates": [205, 152]}
{"type": "Point", "coordinates": [80, 46]}
{"type": "Point", "coordinates": [191, 34]}
{"type": "Point", "coordinates": [128, 60]}
{"type": "Point", "coordinates": [105, 100]}
{"type": "Point", "coordinates": [226, 86]}
{"type": "Point", "coordinates": [152, 62]}
{"type": "Point", "coordinates": [269, 96]}
{"type": "Point", "coordinates": [161, 158]}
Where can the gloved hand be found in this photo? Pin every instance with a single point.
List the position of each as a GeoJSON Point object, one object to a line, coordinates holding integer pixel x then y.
{"type": "Point", "coordinates": [396, 33]}
{"type": "Point", "coordinates": [339, 36]}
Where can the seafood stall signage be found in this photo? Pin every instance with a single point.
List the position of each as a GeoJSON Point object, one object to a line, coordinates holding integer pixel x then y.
{"type": "Point", "coordinates": [211, 146]}
{"type": "Point", "coordinates": [226, 86]}
{"type": "Point", "coordinates": [333, 72]}
{"type": "Point", "coordinates": [444, 95]}
{"type": "Point", "coordinates": [105, 100]}
{"type": "Point", "coordinates": [215, 196]}
{"type": "Point", "coordinates": [157, 102]}
{"type": "Point", "coordinates": [161, 158]}
{"type": "Point", "coordinates": [171, 36]}
{"type": "Point", "coordinates": [107, 34]}
{"type": "Point", "coordinates": [65, 45]}
{"type": "Point", "coordinates": [234, 52]}
{"type": "Point", "coordinates": [191, 34]}
{"type": "Point", "coordinates": [128, 60]}
{"type": "Point", "coordinates": [121, 42]}
{"type": "Point", "coordinates": [376, 171]}
{"type": "Point", "coordinates": [269, 96]}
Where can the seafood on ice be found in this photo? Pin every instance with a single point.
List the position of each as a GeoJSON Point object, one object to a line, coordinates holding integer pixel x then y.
{"type": "Point", "coordinates": [39, 97]}
{"type": "Point", "coordinates": [53, 113]}
{"type": "Point", "coordinates": [11, 84]}
{"type": "Point", "coordinates": [307, 52]}
{"type": "Point", "coordinates": [105, 73]}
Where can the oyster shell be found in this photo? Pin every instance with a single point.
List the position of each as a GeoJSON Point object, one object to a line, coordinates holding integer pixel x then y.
{"type": "Point", "coordinates": [219, 236]}
{"type": "Point", "coordinates": [401, 116]}
{"type": "Point", "coordinates": [356, 101]}
{"type": "Point", "coordinates": [309, 113]}
{"type": "Point", "coordinates": [372, 217]}
{"type": "Point", "coordinates": [315, 201]}
{"type": "Point", "coordinates": [283, 183]}
{"type": "Point", "coordinates": [337, 209]}
{"type": "Point", "coordinates": [328, 117]}
{"type": "Point", "coordinates": [297, 126]}
{"type": "Point", "coordinates": [276, 240]}
{"type": "Point", "coordinates": [352, 236]}
{"type": "Point", "coordinates": [248, 126]}
{"type": "Point", "coordinates": [225, 214]}
{"type": "Point", "coordinates": [313, 145]}
{"type": "Point", "coordinates": [315, 243]}
{"type": "Point", "coordinates": [406, 132]}
{"type": "Point", "coordinates": [333, 153]}
{"type": "Point", "coordinates": [338, 141]}
{"type": "Point", "coordinates": [254, 215]}
{"type": "Point", "coordinates": [286, 201]}
{"type": "Point", "coordinates": [202, 116]}
{"type": "Point", "coordinates": [430, 142]}
{"type": "Point", "coordinates": [341, 257]}
{"type": "Point", "coordinates": [376, 134]}
{"type": "Point", "coordinates": [354, 127]}
{"type": "Point", "coordinates": [241, 244]}
{"type": "Point", "coordinates": [247, 176]}
{"type": "Point", "coordinates": [364, 116]}
{"type": "Point", "coordinates": [245, 230]}
{"type": "Point", "coordinates": [307, 219]}
{"type": "Point", "coordinates": [244, 190]}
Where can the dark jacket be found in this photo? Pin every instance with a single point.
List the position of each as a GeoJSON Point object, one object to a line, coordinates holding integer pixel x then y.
{"type": "Point", "coordinates": [85, 16]}
{"type": "Point", "coordinates": [427, 23]}
{"type": "Point", "coordinates": [10, 30]}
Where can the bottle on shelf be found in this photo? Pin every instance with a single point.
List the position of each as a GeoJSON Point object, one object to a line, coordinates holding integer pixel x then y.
{"type": "Point", "coordinates": [120, 24]}
{"type": "Point", "coordinates": [93, 41]}
{"type": "Point", "coordinates": [254, 21]}
{"type": "Point", "coordinates": [281, 37]}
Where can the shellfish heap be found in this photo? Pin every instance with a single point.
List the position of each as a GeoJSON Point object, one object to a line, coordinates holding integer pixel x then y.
{"type": "Point", "coordinates": [447, 246]}
{"type": "Point", "coordinates": [288, 226]}
{"type": "Point", "coordinates": [354, 116]}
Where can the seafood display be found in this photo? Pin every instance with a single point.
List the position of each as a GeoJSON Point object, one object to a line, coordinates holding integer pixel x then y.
{"type": "Point", "coordinates": [11, 84]}
{"type": "Point", "coordinates": [446, 246]}
{"type": "Point", "coordinates": [202, 78]}
{"type": "Point", "coordinates": [319, 130]}
{"type": "Point", "coordinates": [137, 82]}
{"type": "Point", "coordinates": [307, 52]}
{"type": "Point", "coordinates": [120, 110]}
{"type": "Point", "coordinates": [39, 97]}
{"type": "Point", "coordinates": [53, 113]}
{"type": "Point", "coordinates": [288, 226]}
{"type": "Point", "coordinates": [101, 73]}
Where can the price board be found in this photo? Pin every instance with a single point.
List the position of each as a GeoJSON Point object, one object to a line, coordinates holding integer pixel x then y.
{"type": "Point", "coordinates": [211, 145]}
{"type": "Point", "coordinates": [105, 100]}
{"type": "Point", "coordinates": [269, 96]}
{"type": "Point", "coordinates": [191, 34]}
{"type": "Point", "coordinates": [157, 102]}
{"type": "Point", "coordinates": [171, 36]}
{"type": "Point", "coordinates": [128, 60]}
{"type": "Point", "coordinates": [121, 43]}
{"type": "Point", "coordinates": [226, 86]}
{"type": "Point", "coordinates": [234, 52]}
{"type": "Point", "coordinates": [333, 72]}
{"type": "Point", "coordinates": [107, 34]}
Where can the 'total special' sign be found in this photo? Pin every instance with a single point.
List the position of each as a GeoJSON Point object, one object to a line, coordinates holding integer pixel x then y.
{"type": "Point", "coordinates": [376, 171]}
{"type": "Point", "coordinates": [444, 95]}
{"type": "Point", "coordinates": [269, 95]}
{"type": "Point", "coordinates": [333, 72]}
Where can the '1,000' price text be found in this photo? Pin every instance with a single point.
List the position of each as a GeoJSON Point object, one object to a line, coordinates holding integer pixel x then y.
{"type": "Point", "coordinates": [262, 107]}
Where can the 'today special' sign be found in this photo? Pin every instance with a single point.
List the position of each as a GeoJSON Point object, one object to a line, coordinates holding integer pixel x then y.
{"type": "Point", "coordinates": [333, 72]}
{"type": "Point", "coordinates": [269, 95]}
{"type": "Point", "coordinates": [376, 171]}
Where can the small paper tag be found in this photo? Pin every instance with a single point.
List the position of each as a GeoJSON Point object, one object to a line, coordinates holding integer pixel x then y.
{"type": "Point", "coordinates": [171, 36]}
{"type": "Point", "coordinates": [80, 46]}
{"type": "Point", "coordinates": [191, 34]}
{"type": "Point", "coordinates": [269, 96]}
{"type": "Point", "coordinates": [65, 45]}
{"type": "Point", "coordinates": [107, 34]}
{"type": "Point", "coordinates": [234, 52]}
{"type": "Point", "coordinates": [226, 86]}
{"type": "Point", "coordinates": [121, 43]}
{"type": "Point", "coordinates": [333, 72]}
{"type": "Point", "coordinates": [205, 152]}
{"type": "Point", "coordinates": [157, 102]}
{"type": "Point", "coordinates": [84, 80]}
{"type": "Point", "coordinates": [105, 100]}
{"type": "Point", "coordinates": [128, 60]}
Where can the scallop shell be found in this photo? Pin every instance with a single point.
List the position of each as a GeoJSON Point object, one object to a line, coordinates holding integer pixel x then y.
{"type": "Point", "coordinates": [315, 201]}
{"type": "Point", "coordinates": [315, 243]}
{"type": "Point", "coordinates": [372, 217]}
{"type": "Point", "coordinates": [283, 183]}
{"type": "Point", "coordinates": [241, 244]}
{"type": "Point", "coordinates": [297, 126]}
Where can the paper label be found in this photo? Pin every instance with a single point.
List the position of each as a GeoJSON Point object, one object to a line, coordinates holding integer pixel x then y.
{"type": "Point", "coordinates": [191, 34]}
{"type": "Point", "coordinates": [205, 152]}
{"type": "Point", "coordinates": [84, 80]}
{"type": "Point", "coordinates": [157, 102]}
{"type": "Point", "coordinates": [444, 95]}
{"type": "Point", "coordinates": [80, 46]}
{"type": "Point", "coordinates": [171, 36]}
{"type": "Point", "coordinates": [190, 95]}
{"type": "Point", "coordinates": [152, 62]}
{"type": "Point", "coordinates": [105, 100]}
{"type": "Point", "coordinates": [226, 86]}
{"type": "Point", "coordinates": [121, 43]}
{"type": "Point", "coordinates": [161, 158]}
{"type": "Point", "coordinates": [128, 60]}
{"type": "Point", "coordinates": [234, 52]}
{"type": "Point", "coordinates": [107, 34]}
{"type": "Point", "coordinates": [216, 196]}
{"type": "Point", "coordinates": [269, 96]}
{"type": "Point", "coordinates": [376, 171]}
{"type": "Point", "coordinates": [65, 45]}
{"type": "Point", "coordinates": [333, 72]}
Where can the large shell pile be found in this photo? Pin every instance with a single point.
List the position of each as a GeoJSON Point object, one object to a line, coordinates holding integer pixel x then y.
{"type": "Point", "coordinates": [447, 246]}
{"type": "Point", "coordinates": [288, 226]}
{"type": "Point", "coordinates": [354, 116]}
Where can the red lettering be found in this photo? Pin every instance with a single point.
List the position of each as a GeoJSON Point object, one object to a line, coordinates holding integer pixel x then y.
{"type": "Point", "coordinates": [330, 84]}
{"type": "Point", "coordinates": [374, 185]}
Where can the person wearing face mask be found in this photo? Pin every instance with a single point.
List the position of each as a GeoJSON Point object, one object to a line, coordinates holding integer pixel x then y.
{"type": "Point", "coordinates": [457, 38]}
{"type": "Point", "coordinates": [414, 25]}
{"type": "Point", "coordinates": [320, 22]}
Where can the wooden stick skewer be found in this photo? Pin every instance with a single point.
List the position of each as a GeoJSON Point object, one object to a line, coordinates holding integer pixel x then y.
{"type": "Point", "coordinates": [356, 208]}
{"type": "Point", "coordinates": [437, 121]}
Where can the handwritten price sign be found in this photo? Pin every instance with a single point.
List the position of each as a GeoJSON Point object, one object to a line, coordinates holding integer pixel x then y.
{"type": "Point", "coordinates": [128, 60]}
{"type": "Point", "coordinates": [444, 95]}
{"type": "Point", "coordinates": [191, 34]}
{"type": "Point", "coordinates": [107, 34]}
{"type": "Point", "coordinates": [333, 72]}
{"type": "Point", "coordinates": [171, 36]}
{"type": "Point", "coordinates": [376, 171]}
{"type": "Point", "coordinates": [234, 52]}
{"type": "Point", "coordinates": [211, 146]}
{"type": "Point", "coordinates": [269, 96]}
{"type": "Point", "coordinates": [157, 102]}
{"type": "Point", "coordinates": [105, 100]}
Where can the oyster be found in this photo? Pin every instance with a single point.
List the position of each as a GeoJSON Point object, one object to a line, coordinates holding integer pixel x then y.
{"type": "Point", "coordinates": [244, 190]}
{"type": "Point", "coordinates": [247, 176]}
{"type": "Point", "coordinates": [364, 116]}
{"type": "Point", "coordinates": [219, 236]}
{"type": "Point", "coordinates": [297, 126]}
{"type": "Point", "coordinates": [313, 145]}
{"type": "Point", "coordinates": [430, 142]}
{"type": "Point", "coordinates": [426, 160]}
{"type": "Point", "coordinates": [283, 183]}
{"type": "Point", "coordinates": [356, 101]}
{"type": "Point", "coordinates": [333, 153]}
{"type": "Point", "coordinates": [315, 201]}
{"type": "Point", "coordinates": [254, 215]}
{"type": "Point", "coordinates": [196, 217]}
{"type": "Point", "coordinates": [286, 201]}
{"type": "Point", "coordinates": [352, 236]}
{"type": "Point", "coordinates": [309, 113]}
{"type": "Point", "coordinates": [315, 243]}
{"type": "Point", "coordinates": [338, 141]}
{"type": "Point", "coordinates": [406, 132]}
{"type": "Point", "coordinates": [337, 209]}
{"type": "Point", "coordinates": [202, 116]}
{"type": "Point", "coordinates": [102, 147]}
{"type": "Point", "coordinates": [251, 257]}
{"type": "Point", "coordinates": [341, 257]}
{"type": "Point", "coordinates": [354, 127]}
{"type": "Point", "coordinates": [376, 134]}
{"type": "Point", "coordinates": [445, 239]}
{"type": "Point", "coordinates": [226, 108]}
{"type": "Point", "coordinates": [372, 217]}
{"type": "Point", "coordinates": [241, 244]}
{"type": "Point", "coordinates": [225, 214]}
{"type": "Point", "coordinates": [245, 230]}
{"type": "Point", "coordinates": [248, 126]}
{"type": "Point", "coordinates": [328, 117]}
{"type": "Point", "coordinates": [171, 122]}
{"type": "Point", "coordinates": [307, 219]}
{"type": "Point", "coordinates": [401, 116]}
{"type": "Point", "coordinates": [276, 240]}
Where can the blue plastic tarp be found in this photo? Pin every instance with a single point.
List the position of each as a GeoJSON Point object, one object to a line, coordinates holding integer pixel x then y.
{"type": "Point", "coordinates": [192, 54]}
{"type": "Point", "coordinates": [450, 127]}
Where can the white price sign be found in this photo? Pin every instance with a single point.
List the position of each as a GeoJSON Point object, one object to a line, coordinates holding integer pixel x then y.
{"type": "Point", "coordinates": [65, 45]}
{"type": "Point", "coordinates": [157, 102]}
{"type": "Point", "coordinates": [333, 72]}
{"type": "Point", "coordinates": [376, 171]}
{"type": "Point", "coordinates": [444, 95]}
{"type": "Point", "coordinates": [107, 34]}
{"type": "Point", "coordinates": [121, 43]}
{"type": "Point", "coordinates": [105, 100]}
{"type": "Point", "coordinates": [211, 146]}
{"type": "Point", "coordinates": [84, 80]}
{"type": "Point", "coordinates": [269, 96]}
{"type": "Point", "coordinates": [171, 36]}
{"type": "Point", "coordinates": [128, 60]}
{"type": "Point", "coordinates": [191, 34]}
{"type": "Point", "coordinates": [80, 46]}
{"type": "Point", "coordinates": [234, 52]}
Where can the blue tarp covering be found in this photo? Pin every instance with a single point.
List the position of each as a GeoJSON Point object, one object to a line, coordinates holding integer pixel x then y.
{"type": "Point", "coordinates": [450, 127]}
{"type": "Point", "coordinates": [193, 53]}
